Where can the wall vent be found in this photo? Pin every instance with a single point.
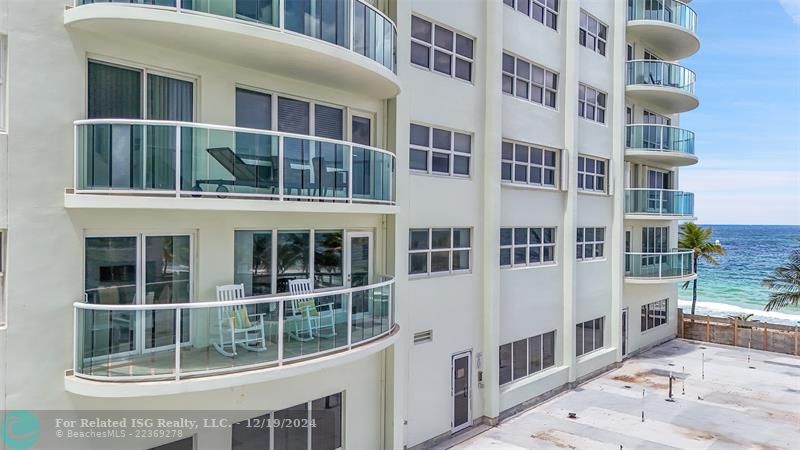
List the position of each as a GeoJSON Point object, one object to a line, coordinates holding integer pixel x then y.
{"type": "Point", "coordinates": [423, 337]}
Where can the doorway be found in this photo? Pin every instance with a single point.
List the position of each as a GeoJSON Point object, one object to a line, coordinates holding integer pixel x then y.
{"type": "Point", "coordinates": [359, 269]}
{"type": "Point", "coordinates": [624, 327]}
{"type": "Point", "coordinates": [136, 269]}
{"type": "Point", "coordinates": [461, 391]}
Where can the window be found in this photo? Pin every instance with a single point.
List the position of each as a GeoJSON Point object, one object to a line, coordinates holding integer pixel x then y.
{"type": "Point", "coordinates": [254, 259]}
{"type": "Point", "coordinates": [654, 240]}
{"type": "Point", "coordinates": [591, 174]}
{"type": "Point", "coordinates": [542, 11]}
{"type": "Point", "coordinates": [650, 56]}
{"type": "Point", "coordinates": [440, 49]}
{"type": "Point", "coordinates": [592, 34]}
{"type": "Point", "coordinates": [654, 314]}
{"type": "Point", "coordinates": [526, 80]}
{"type": "Point", "coordinates": [526, 357]}
{"type": "Point", "coordinates": [589, 336]}
{"type": "Point", "coordinates": [253, 109]}
{"type": "Point", "coordinates": [590, 243]}
{"type": "Point", "coordinates": [591, 104]}
{"type": "Point", "coordinates": [327, 20]}
{"type": "Point", "coordinates": [438, 250]}
{"type": "Point", "coordinates": [527, 246]}
{"type": "Point", "coordinates": [524, 164]}
{"type": "Point", "coordinates": [655, 119]}
{"type": "Point", "coordinates": [320, 427]}
{"type": "Point", "coordinates": [439, 151]}
{"type": "Point", "coordinates": [628, 116]}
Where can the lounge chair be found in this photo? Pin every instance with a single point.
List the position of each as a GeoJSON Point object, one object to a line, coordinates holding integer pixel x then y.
{"type": "Point", "coordinates": [258, 176]}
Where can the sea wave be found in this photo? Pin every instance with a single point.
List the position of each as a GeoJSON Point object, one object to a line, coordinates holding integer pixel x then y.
{"type": "Point", "coordinates": [725, 310]}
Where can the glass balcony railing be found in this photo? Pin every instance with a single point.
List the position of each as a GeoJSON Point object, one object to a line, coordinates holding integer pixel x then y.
{"type": "Point", "coordinates": [654, 266]}
{"type": "Point", "coordinates": [189, 159]}
{"type": "Point", "coordinates": [352, 24]}
{"type": "Point", "coordinates": [659, 202]}
{"type": "Point", "coordinates": [670, 11]}
{"type": "Point", "coordinates": [659, 138]}
{"type": "Point", "coordinates": [661, 74]}
{"type": "Point", "coordinates": [138, 342]}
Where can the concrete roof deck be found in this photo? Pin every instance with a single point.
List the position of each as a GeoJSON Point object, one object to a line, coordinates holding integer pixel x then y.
{"type": "Point", "coordinates": [753, 405]}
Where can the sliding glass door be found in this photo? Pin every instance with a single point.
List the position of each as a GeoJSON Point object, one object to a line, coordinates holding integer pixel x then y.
{"type": "Point", "coordinates": [167, 280]}
{"type": "Point", "coordinates": [110, 279]}
{"type": "Point", "coordinates": [133, 156]}
{"type": "Point", "coordinates": [127, 270]}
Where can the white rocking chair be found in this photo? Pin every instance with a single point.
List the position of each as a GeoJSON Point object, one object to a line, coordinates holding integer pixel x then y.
{"type": "Point", "coordinates": [309, 317]}
{"type": "Point", "coordinates": [236, 325]}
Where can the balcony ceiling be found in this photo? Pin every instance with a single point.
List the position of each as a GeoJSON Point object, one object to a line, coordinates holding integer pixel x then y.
{"type": "Point", "coordinates": [668, 100]}
{"type": "Point", "coordinates": [669, 41]}
{"type": "Point", "coordinates": [660, 158]}
{"type": "Point", "coordinates": [239, 43]}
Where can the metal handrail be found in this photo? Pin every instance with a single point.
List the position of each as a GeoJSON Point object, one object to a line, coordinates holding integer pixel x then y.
{"type": "Point", "coordinates": [678, 252]}
{"type": "Point", "coordinates": [226, 128]}
{"type": "Point", "coordinates": [179, 190]}
{"type": "Point", "coordinates": [273, 298]}
{"type": "Point", "coordinates": [664, 66]}
{"type": "Point", "coordinates": [658, 202]}
{"type": "Point", "coordinates": [637, 12]}
{"type": "Point", "coordinates": [630, 125]}
{"type": "Point", "coordinates": [656, 189]}
{"type": "Point", "coordinates": [280, 360]}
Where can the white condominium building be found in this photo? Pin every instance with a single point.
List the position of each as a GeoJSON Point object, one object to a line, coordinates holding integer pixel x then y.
{"type": "Point", "coordinates": [392, 219]}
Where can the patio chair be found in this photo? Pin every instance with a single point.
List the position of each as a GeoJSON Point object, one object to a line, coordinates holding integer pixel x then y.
{"type": "Point", "coordinates": [236, 325]}
{"type": "Point", "coordinates": [309, 317]}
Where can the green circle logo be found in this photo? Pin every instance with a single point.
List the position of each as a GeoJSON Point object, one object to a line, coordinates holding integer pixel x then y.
{"type": "Point", "coordinates": [20, 430]}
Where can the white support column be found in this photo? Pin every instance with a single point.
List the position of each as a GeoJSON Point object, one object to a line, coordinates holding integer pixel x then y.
{"type": "Point", "coordinates": [618, 55]}
{"type": "Point", "coordinates": [492, 138]}
{"type": "Point", "coordinates": [397, 356]}
{"type": "Point", "coordinates": [569, 86]}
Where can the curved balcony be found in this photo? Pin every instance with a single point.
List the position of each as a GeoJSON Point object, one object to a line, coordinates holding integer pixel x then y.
{"type": "Point", "coordinates": [658, 204]}
{"type": "Point", "coordinates": [667, 86]}
{"type": "Point", "coordinates": [659, 144]}
{"type": "Point", "coordinates": [667, 27]}
{"type": "Point", "coordinates": [344, 44]}
{"type": "Point", "coordinates": [130, 350]}
{"type": "Point", "coordinates": [197, 166]}
{"type": "Point", "coordinates": [651, 268]}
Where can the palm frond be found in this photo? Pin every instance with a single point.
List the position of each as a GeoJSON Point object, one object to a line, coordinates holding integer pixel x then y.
{"type": "Point", "coordinates": [784, 284]}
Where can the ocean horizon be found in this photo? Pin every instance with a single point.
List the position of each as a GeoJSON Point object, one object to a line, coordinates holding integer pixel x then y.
{"type": "Point", "coordinates": [733, 287]}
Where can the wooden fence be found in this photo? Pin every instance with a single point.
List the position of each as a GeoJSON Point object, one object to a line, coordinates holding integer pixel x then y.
{"type": "Point", "coordinates": [757, 335]}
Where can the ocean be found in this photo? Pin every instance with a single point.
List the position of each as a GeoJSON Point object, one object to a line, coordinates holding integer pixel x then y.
{"type": "Point", "coordinates": [733, 286]}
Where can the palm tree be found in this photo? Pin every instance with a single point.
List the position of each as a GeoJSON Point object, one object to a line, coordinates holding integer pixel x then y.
{"type": "Point", "coordinates": [784, 282]}
{"type": "Point", "coordinates": [698, 239]}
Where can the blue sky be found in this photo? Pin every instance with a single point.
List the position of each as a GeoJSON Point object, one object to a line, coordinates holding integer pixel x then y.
{"type": "Point", "coordinates": [748, 123]}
